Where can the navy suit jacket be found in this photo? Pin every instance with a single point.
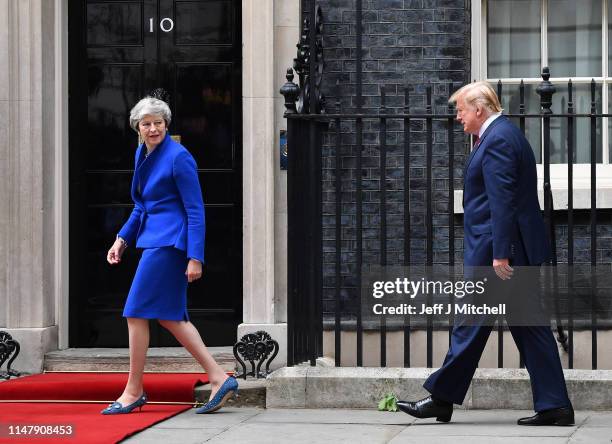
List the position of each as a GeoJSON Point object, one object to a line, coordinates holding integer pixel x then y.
{"type": "Point", "coordinates": [168, 207]}
{"type": "Point", "coordinates": [501, 209]}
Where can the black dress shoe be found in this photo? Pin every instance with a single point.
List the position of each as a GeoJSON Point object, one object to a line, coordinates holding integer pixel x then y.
{"type": "Point", "coordinates": [428, 408]}
{"type": "Point", "coordinates": [563, 416]}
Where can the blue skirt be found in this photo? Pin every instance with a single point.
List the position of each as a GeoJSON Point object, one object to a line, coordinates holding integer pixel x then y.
{"type": "Point", "coordinates": [159, 288]}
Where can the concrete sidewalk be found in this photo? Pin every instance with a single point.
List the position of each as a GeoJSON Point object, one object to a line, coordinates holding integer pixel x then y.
{"type": "Point", "coordinates": [265, 426]}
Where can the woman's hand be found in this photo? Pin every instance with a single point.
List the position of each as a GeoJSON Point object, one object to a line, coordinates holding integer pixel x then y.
{"type": "Point", "coordinates": [116, 251]}
{"type": "Point", "coordinates": [194, 270]}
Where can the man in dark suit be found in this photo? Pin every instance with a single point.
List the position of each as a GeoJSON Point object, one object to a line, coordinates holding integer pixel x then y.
{"type": "Point", "coordinates": [503, 228]}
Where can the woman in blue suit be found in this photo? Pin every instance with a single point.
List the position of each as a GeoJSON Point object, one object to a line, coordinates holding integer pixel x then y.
{"type": "Point", "coordinates": [167, 222]}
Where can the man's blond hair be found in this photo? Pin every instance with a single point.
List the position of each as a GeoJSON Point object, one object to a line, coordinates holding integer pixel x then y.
{"type": "Point", "coordinates": [478, 94]}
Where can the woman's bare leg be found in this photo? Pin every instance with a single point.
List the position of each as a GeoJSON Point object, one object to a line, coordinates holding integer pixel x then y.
{"type": "Point", "coordinates": [139, 344]}
{"type": "Point", "coordinates": [189, 337]}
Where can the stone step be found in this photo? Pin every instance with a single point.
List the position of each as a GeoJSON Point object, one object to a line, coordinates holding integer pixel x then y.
{"type": "Point", "coordinates": [251, 393]}
{"type": "Point", "coordinates": [159, 359]}
{"type": "Point", "coordinates": [363, 387]}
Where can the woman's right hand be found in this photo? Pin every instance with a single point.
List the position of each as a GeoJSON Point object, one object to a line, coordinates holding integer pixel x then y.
{"type": "Point", "coordinates": [116, 251]}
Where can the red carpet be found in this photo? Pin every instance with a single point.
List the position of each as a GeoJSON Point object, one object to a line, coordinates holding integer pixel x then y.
{"type": "Point", "coordinates": [88, 425]}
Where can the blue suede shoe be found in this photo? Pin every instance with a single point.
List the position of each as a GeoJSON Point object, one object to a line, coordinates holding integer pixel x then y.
{"type": "Point", "coordinates": [229, 388]}
{"type": "Point", "coordinates": [117, 409]}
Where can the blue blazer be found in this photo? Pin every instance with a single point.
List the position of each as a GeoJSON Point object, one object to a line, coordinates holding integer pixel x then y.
{"type": "Point", "coordinates": [168, 207]}
{"type": "Point", "coordinates": [501, 209]}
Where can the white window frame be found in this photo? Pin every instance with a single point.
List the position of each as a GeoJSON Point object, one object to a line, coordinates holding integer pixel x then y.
{"type": "Point", "coordinates": [582, 174]}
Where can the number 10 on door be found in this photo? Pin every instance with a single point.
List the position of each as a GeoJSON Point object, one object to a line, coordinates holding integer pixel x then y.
{"type": "Point", "coordinates": [166, 24]}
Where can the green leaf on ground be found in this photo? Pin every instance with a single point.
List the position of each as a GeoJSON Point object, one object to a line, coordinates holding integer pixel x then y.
{"type": "Point", "coordinates": [388, 403]}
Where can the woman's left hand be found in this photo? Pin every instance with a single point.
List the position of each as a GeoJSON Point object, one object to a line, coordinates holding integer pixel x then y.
{"type": "Point", "coordinates": [194, 270]}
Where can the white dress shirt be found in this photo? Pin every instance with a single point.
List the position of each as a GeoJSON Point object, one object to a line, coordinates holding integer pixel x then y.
{"type": "Point", "coordinates": [487, 122]}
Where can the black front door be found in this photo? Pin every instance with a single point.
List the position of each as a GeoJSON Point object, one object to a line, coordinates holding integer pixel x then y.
{"type": "Point", "coordinates": [119, 51]}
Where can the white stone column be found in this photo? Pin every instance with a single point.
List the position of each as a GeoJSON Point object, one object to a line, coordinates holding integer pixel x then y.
{"type": "Point", "coordinates": [258, 160]}
{"type": "Point", "coordinates": [27, 155]}
{"type": "Point", "coordinates": [286, 37]}
{"type": "Point", "coordinates": [269, 30]}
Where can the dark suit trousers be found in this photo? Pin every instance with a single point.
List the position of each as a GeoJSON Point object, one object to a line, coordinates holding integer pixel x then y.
{"type": "Point", "coordinates": [536, 345]}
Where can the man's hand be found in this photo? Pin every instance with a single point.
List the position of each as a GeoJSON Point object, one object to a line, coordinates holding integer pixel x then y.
{"type": "Point", "coordinates": [502, 268]}
{"type": "Point", "coordinates": [194, 270]}
{"type": "Point", "coordinates": [113, 256]}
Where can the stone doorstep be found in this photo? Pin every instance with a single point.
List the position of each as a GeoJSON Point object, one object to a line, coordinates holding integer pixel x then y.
{"type": "Point", "coordinates": [363, 387]}
{"type": "Point", "coordinates": [161, 359]}
{"type": "Point", "coordinates": [252, 393]}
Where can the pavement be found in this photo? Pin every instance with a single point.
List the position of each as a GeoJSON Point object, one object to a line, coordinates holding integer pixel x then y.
{"type": "Point", "coordinates": [331, 426]}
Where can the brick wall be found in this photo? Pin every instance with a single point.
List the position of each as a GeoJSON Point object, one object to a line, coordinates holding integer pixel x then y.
{"type": "Point", "coordinates": [406, 43]}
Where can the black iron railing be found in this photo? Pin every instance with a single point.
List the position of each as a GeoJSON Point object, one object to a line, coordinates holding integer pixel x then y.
{"type": "Point", "coordinates": [310, 131]}
{"type": "Point", "coordinates": [305, 141]}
